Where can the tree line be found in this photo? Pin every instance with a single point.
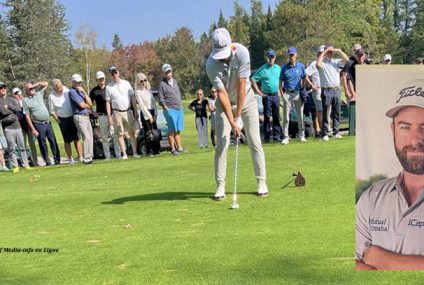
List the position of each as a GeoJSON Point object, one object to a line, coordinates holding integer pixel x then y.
{"type": "Point", "coordinates": [36, 45]}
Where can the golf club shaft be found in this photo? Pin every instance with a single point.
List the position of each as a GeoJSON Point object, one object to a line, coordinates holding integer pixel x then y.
{"type": "Point", "coordinates": [235, 172]}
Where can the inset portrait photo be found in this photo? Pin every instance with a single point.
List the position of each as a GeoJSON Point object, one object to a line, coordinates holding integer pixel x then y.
{"type": "Point", "coordinates": [390, 168]}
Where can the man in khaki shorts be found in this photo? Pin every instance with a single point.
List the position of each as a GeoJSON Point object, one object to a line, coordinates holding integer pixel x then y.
{"type": "Point", "coordinates": [228, 67]}
{"type": "Point", "coordinates": [390, 214]}
{"type": "Point", "coordinates": [121, 109]}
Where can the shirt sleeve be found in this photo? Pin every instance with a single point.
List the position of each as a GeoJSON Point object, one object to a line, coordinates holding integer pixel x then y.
{"type": "Point", "coordinates": [161, 94]}
{"type": "Point", "coordinates": [212, 70]}
{"type": "Point", "coordinates": [258, 74]}
{"type": "Point", "coordinates": [25, 108]}
{"type": "Point", "coordinates": [310, 69]}
{"type": "Point", "coordinates": [130, 90]}
{"type": "Point", "coordinates": [282, 74]}
{"type": "Point", "coordinates": [244, 63]}
{"type": "Point", "coordinates": [303, 75]}
{"type": "Point", "coordinates": [362, 230]}
{"type": "Point", "coordinates": [107, 94]}
{"type": "Point", "coordinates": [51, 105]}
{"type": "Point", "coordinates": [75, 97]}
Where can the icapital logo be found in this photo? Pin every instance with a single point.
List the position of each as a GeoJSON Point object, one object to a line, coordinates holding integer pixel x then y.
{"type": "Point", "coordinates": [410, 91]}
{"type": "Point", "coordinates": [416, 223]}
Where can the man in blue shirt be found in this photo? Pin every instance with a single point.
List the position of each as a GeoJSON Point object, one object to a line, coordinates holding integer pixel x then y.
{"type": "Point", "coordinates": [268, 75]}
{"type": "Point", "coordinates": [292, 79]}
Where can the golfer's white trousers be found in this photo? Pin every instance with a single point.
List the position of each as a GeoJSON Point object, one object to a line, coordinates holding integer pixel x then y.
{"type": "Point", "coordinates": [250, 118]}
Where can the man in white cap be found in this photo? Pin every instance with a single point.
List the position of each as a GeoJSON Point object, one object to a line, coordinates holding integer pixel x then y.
{"type": "Point", "coordinates": [228, 68]}
{"type": "Point", "coordinates": [81, 104]}
{"type": "Point", "coordinates": [390, 214]}
{"type": "Point", "coordinates": [170, 100]}
{"type": "Point", "coordinates": [387, 59]}
{"type": "Point", "coordinates": [121, 108]}
{"type": "Point", "coordinates": [61, 110]}
{"type": "Point", "coordinates": [97, 96]}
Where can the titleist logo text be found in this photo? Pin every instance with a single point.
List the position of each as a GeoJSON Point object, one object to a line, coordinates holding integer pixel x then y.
{"type": "Point", "coordinates": [410, 91]}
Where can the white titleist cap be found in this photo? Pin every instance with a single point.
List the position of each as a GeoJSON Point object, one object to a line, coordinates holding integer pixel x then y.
{"type": "Point", "coordinates": [387, 57]}
{"type": "Point", "coordinates": [411, 94]}
{"type": "Point", "coordinates": [221, 44]}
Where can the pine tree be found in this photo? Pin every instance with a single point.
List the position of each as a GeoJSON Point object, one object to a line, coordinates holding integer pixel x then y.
{"type": "Point", "coordinates": [39, 35]}
{"type": "Point", "coordinates": [256, 34]}
{"type": "Point", "coordinates": [222, 23]}
{"type": "Point", "coordinates": [116, 43]}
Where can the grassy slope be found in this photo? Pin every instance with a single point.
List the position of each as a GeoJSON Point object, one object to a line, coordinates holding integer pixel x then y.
{"type": "Point", "coordinates": [178, 235]}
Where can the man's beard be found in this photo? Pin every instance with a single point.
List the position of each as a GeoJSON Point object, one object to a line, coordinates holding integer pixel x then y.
{"type": "Point", "coordinates": [414, 163]}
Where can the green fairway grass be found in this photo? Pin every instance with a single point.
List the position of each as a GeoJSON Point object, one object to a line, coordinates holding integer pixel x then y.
{"type": "Point", "coordinates": [152, 220]}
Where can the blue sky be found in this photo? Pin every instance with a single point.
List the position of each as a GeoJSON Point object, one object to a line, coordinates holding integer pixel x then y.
{"type": "Point", "coordinates": [140, 20]}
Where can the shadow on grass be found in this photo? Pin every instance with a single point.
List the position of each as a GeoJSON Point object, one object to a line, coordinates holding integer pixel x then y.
{"type": "Point", "coordinates": [167, 196]}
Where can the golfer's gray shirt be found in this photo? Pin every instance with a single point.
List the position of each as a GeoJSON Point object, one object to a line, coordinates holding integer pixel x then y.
{"type": "Point", "coordinates": [223, 75]}
{"type": "Point", "coordinates": [383, 218]}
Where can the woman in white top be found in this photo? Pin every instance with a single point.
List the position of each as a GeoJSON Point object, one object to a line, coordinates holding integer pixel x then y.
{"type": "Point", "coordinates": [148, 113]}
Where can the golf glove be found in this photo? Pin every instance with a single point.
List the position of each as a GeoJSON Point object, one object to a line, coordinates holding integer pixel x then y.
{"type": "Point", "coordinates": [239, 122]}
{"type": "Point", "coordinates": [111, 130]}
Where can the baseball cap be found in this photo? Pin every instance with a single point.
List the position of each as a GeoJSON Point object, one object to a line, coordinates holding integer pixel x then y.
{"type": "Point", "coordinates": [221, 44]}
{"type": "Point", "coordinates": [100, 74]}
{"type": "Point", "coordinates": [270, 53]}
{"type": "Point", "coordinates": [419, 59]}
{"type": "Point", "coordinates": [2, 84]}
{"type": "Point", "coordinates": [291, 50]}
{"type": "Point", "coordinates": [166, 67]}
{"type": "Point", "coordinates": [16, 90]}
{"type": "Point", "coordinates": [321, 48]}
{"type": "Point", "coordinates": [76, 77]}
{"type": "Point", "coordinates": [411, 94]}
{"type": "Point", "coordinates": [112, 68]}
{"type": "Point", "coordinates": [387, 57]}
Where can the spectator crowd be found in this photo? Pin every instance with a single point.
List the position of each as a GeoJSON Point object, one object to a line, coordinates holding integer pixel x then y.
{"type": "Point", "coordinates": [122, 109]}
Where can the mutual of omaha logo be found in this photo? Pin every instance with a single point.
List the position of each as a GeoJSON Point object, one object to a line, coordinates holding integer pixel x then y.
{"type": "Point", "coordinates": [415, 223]}
{"type": "Point", "coordinates": [379, 225]}
{"type": "Point", "coordinates": [410, 91]}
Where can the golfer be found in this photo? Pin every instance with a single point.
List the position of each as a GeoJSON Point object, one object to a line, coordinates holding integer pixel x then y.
{"type": "Point", "coordinates": [228, 68]}
{"type": "Point", "coordinates": [390, 214]}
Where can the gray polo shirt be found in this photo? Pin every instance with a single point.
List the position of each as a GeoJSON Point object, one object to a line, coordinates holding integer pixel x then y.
{"type": "Point", "coordinates": [329, 74]}
{"type": "Point", "coordinates": [223, 75]}
{"type": "Point", "coordinates": [383, 218]}
{"type": "Point", "coordinates": [36, 108]}
{"type": "Point", "coordinates": [169, 95]}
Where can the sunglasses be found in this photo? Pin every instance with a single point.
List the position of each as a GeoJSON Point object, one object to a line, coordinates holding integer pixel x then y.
{"type": "Point", "coordinates": [143, 80]}
{"type": "Point", "coordinates": [114, 72]}
{"type": "Point", "coordinates": [3, 88]}
{"type": "Point", "coordinates": [30, 89]}
{"type": "Point", "coordinates": [271, 56]}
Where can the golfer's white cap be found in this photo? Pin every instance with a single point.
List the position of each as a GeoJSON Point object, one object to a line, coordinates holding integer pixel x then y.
{"type": "Point", "coordinates": [76, 77]}
{"type": "Point", "coordinates": [16, 90]}
{"type": "Point", "coordinates": [387, 57]}
{"type": "Point", "coordinates": [100, 74]}
{"type": "Point", "coordinates": [166, 67]}
{"type": "Point", "coordinates": [410, 95]}
{"type": "Point", "coordinates": [221, 44]}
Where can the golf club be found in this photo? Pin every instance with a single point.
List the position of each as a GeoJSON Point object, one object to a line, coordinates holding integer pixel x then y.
{"type": "Point", "coordinates": [235, 205]}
